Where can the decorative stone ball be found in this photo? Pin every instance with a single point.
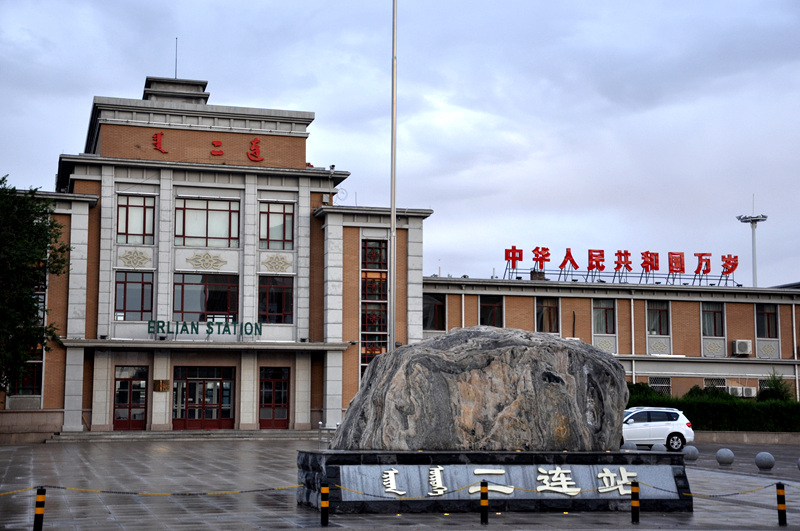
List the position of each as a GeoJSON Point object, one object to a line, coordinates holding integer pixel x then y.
{"type": "Point", "coordinates": [658, 447]}
{"type": "Point", "coordinates": [765, 462]}
{"type": "Point", "coordinates": [631, 446]}
{"type": "Point", "coordinates": [690, 455]}
{"type": "Point", "coordinates": [724, 457]}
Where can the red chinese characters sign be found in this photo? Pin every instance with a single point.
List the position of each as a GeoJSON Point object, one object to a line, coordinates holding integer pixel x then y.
{"type": "Point", "coordinates": [650, 261]}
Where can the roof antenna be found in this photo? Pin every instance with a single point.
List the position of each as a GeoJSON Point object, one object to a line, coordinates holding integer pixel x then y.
{"type": "Point", "coordinates": [176, 57]}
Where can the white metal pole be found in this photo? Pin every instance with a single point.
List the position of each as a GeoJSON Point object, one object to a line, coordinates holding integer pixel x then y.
{"type": "Point", "coordinates": [393, 227]}
{"type": "Point", "coordinates": [755, 274]}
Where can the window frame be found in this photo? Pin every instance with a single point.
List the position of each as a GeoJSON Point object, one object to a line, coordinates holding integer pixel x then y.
{"type": "Point", "coordinates": [662, 320]}
{"type": "Point", "coordinates": [490, 311]}
{"type": "Point", "coordinates": [767, 322]}
{"type": "Point", "coordinates": [605, 316]}
{"type": "Point", "coordinates": [266, 215]}
{"type": "Point", "coordinates": [207, 282]}
{"type": "Point", "coordinates": [143, 314]}
{"type": "Point", "coordinates": [127, 211]}
{"type": "Point", "coordinates": [434, 311]}
{"type": "Point", "coordinates": [186, 205]}
{"type": "Point", "coordinates": [717, 319]}
{"type": "Point", "coordinates": [282, 286]}
{"type": "Point", "coordinates": [550, 310]}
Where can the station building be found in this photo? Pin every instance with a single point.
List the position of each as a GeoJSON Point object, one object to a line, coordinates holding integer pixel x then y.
{"type": "Point", "coordinates": [215, 284]}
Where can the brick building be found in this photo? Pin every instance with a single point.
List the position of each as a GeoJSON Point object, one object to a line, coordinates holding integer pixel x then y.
{"type": "Point", "coordinates": [214, 284]}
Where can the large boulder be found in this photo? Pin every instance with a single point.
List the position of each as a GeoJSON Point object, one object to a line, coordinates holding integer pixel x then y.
{"type": "Point", "coordinates": [486, 388]}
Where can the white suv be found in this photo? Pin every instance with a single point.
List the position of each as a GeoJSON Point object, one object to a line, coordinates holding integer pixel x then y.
{"type": "Point", "coordinates": [651, 425]}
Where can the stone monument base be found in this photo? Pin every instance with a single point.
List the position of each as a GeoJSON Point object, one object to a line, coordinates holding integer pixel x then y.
{"type": "Point", "coordinates": [406, 482]}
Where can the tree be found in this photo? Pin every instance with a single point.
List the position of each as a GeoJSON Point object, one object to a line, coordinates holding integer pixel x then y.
{"type": "Point", "coordinates": [775, 388]}
{"type": "Point", "coordinates": [30, 249]}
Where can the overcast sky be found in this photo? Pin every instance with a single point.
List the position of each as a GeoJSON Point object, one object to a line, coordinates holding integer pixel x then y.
{"type": "Point", "coordinates": [609, 125]}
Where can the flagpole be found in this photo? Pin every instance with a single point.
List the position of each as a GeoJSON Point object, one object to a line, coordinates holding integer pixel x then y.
{"type": "Point", "coordinates": [393, 227]}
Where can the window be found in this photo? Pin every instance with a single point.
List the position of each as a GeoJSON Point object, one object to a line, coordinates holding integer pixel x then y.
{"type": "Point", "coordinates": [205, 297]}
{"type": "Point", "coordinates": [276, 226]}
{"type": "Point", "coordinates": [603, 316]}
{"type": "Point", "coordinates": [29, 382]}
{"type": "Point", "coordinates": [661, 384]}
{"type": "Point", "coordinates": [374, 254]}
{"type": "Point", "coordinates": [658, 318]}
{"type": "Point", "coordinates": [136, 219]}
{"type": "Point", "coordinates": [713, 382]}
{"type": "Point", "coordinates": [547, 315]}
{"type": "Point", "coordinates": [374, 300]}
{"type": "Point", "coordinates": [433, 311]}
{"type": "Point", "coordinates": [712, 319]}
{"type": "Point", "coordinates": [134, 296]}
{"type": "Point", "coordinates": [491, 310]}
{"type": "Point", "coordinates": [275, 300]}
{"type": "Point", "coordinates": [206, 223]}
{"type": "Point", "coordinates": [766, 321]}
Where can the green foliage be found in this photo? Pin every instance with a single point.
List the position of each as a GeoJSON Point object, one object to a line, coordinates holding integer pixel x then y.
{"type": "Point", "coordinates": [30, 249]}
{"type": "Point", "coordinates": [713, 409]}
{"type": "Point", "coordinates": [776, 388]}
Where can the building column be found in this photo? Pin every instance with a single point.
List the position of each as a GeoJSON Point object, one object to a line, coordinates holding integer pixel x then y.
{"type": "Point", "coordinates": [102, 393]}
{"type": "Point", "coordinates": [302, 391]}
{"type": "Point", "coordinates": [161, 402]}
{"type": "Point", "coordinates": [73, 390]}
{"type": "Point", "coordinates": [332, 388]}
{"type": "Point", "coordinates": [248, 397]}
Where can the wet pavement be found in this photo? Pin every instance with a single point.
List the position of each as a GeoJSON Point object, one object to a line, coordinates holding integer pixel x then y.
{"type": "Point", "coordinates": [249, 485]}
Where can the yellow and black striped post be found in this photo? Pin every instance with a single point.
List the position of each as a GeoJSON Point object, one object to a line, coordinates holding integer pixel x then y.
{"type": "Point", "coordinates": [781, 504]}
{"type": "Point", "coordinates": [324, 504]}
{"type": "Point", "coordinates": [484, 503]}
{"type": "Point", "coordinates": [38, 515]}
{"type": "Point", "coordinates": [634, 502]}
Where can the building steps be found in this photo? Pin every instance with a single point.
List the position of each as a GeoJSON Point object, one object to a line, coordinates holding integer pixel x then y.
{"type": "Point", "coordinates": [186, 435]}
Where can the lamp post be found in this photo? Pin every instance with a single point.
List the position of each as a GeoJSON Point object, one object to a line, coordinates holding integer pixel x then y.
{"type": "Point", "coordinates": [753, 221]}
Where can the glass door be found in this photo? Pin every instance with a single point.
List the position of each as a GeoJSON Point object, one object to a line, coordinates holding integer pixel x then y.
{"type": "Point", "coordinates": [202, 398]}
{"type": "Point", "coordinates": [130, 398]}
{"type": "Point", "coordinates": [274, 398]}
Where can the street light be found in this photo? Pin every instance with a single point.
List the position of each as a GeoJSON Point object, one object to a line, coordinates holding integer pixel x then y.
{"type": "Point", "coordinates": [753, 221]}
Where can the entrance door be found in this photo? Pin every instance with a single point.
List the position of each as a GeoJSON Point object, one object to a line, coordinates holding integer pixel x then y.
{"type": "Point", "coordinates": [202, 398]}
{"type": "Point", "coordinates": [274, 398]}
{"type": "Point", "coordinates": [130, 398]}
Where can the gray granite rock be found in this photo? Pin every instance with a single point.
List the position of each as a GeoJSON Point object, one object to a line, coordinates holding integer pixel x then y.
{"type": "Point", "coordinates": [486, 388]}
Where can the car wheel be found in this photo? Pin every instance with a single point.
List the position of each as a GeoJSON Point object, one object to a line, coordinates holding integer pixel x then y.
{"type": "Point", "coordinates": [675, 442]}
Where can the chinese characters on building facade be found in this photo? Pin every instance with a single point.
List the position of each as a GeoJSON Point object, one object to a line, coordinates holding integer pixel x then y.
{"type": "Point", "coordinates": [623, 261]}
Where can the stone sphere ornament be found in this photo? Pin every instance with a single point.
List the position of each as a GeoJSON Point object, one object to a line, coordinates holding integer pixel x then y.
{"type": "Point", "coordinates": [724, 457]}
{"type": "Point", "coordinates": [658, 447]}
{"type": "Point", "coordinates": [488, 389]}
{"type": "Point", "coordinates": [690, 455]}
{"type": "Point", "coordinates": [765, 461]}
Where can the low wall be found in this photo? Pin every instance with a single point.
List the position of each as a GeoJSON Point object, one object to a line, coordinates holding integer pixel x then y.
{"type": "Point", "coordinates": [29, 426]}
{"type": "Point", "coordinates": [746, 437]}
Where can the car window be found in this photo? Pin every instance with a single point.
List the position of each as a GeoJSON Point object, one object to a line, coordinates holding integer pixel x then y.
{"type": "Point", "coordinates": [641, 416]}
{"type": "Point", "coordinates": [659, 416]}
{"type": "Point", "coordinates": [673, 416]}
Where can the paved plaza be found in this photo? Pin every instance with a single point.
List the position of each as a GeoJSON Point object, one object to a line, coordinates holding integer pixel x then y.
{"type": "Point", "coordinates": [248, 484]}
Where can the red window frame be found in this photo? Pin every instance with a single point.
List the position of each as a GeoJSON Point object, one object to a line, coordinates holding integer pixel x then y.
{"type": "Point", "coordinates": [122, 300]}
{"type": "Point", "coordinates": [276, 226]}
{"type": "Point", "coordinates": [766, 321]}
{"type": "Point", "coordinates": [434, 311]}
{"type": "Point", "coordinates": [276, 300]}
{"type": "Point", "coordinates": [658, 318]}
{"type": "Point", "coordinates": [29, 383]}
{"type": "Point", "coordinates": [491, 310]}
{"type": "Point", "coordinates": [203, 236]}
{"type": "Point", "coordinates": [219, 298]}
{"type": "Point", "coordinates": [374, 254]}
{"type": "Point", "coordinates": [715, 317]}
{"type": "Point", "coordinates": [605, 319]}
{"type": "Point", "coordinates": [547, 315]}
{"type": "Point", "coordinates": [127, 210]}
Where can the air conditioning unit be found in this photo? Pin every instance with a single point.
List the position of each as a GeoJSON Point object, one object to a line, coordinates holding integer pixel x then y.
{"type": "Point", "coordinates": [742, 347]}
{"type": "Point", "coordinates": [735, 391]}
{"type": "Point", "coordinates": [749, 392]}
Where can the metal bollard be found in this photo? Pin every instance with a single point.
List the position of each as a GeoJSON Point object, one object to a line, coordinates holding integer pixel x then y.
{"type": "Point", "coordinates": [781, 504]}
{"type": "Point", "coordinates": [38, 515]}
{"type": "Point", "coordinates": [324, 504]}
{"type": "Point", "coordinates": [634, 502]}
{"type": "Point", "coordinates": [484, 503]}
